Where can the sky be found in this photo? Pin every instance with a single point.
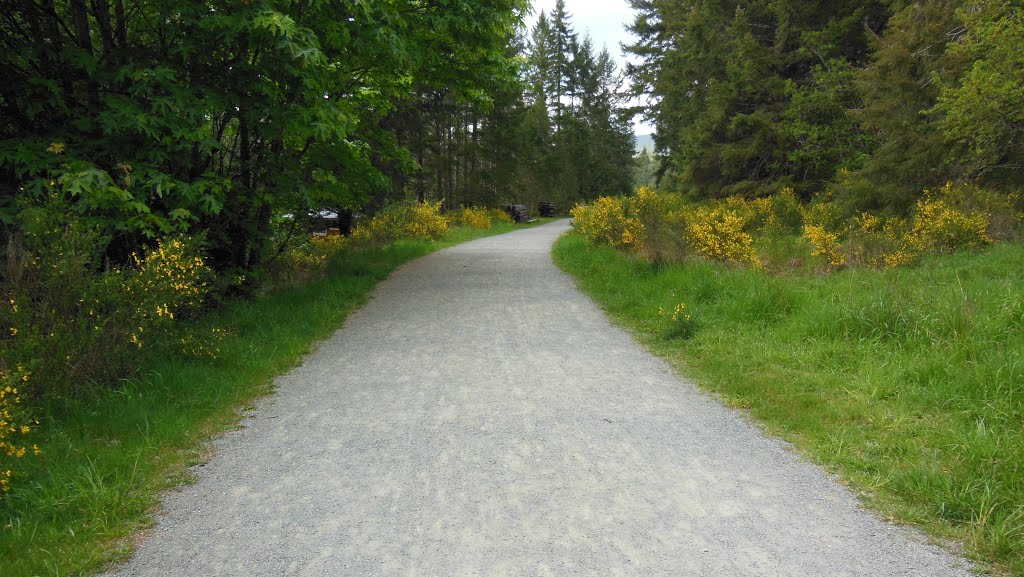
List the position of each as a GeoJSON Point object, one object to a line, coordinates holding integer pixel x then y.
{"type": "Point", "coordinates": [604, 20]}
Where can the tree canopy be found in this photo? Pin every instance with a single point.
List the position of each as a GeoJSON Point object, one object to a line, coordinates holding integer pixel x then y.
{"type": "Point", "coordinates": [146, 118]}
{"type": "Point", "coordinates": [149, 117]}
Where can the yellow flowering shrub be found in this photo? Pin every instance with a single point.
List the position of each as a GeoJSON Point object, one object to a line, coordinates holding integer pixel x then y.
{"type": "Point", "coordinates": [427, 223]}
{"type": "Point", "coordinates": [903, 250]}
{"type": "Point", "coordinates": [824, 227]}
{"type": "Point", "coordinates": [823, 212]}
{"type": "Point", "coordinates": [168, 280]}
{"type": "Point", "coordinates": [301, 261]}
{"type": "Point", "coordinates": [382, 228]}
{"type": "Point", "coordinates": [666, 228]}
{"type": "Point", "coordinates": [941, 227]}
{"type": "Point", "coordinates": [647, 204]}
{"type": "Point", "coordinates": [957, 216]}
{"type": "Point", "coordinates": [408, 220]}
{"type": "Point", "coordinates": [1005, 212]}
{"type": "Point", "coordinates": [472, 218]}
{"type": "Point", "coordinates": [825, 244]}
{"type": "Point", "coordinates": [15, 426]}
{"type": "Point", "coordinates": [604, 223]}
{"type": "Point", "coordinates": [751, 212]}
{"type": "Point", "coordinates": [681, 323]}
{"type": "Point", "coordinates": [717, 233]}
{"type": "Point", "coordinates": [776, 213]}
{"type": "Point", "coordinates": [868, 241]}
{"type": "Point", "coordinates": [499, 216]}
{"type": "Point", "coordinates": [661, 236]}
{"type": "Point", "coordinates": [328, 244]}
{"type": "Point", "coordinates": [867, 223]}
{"type": "Point", "coordinates": [940, 223]}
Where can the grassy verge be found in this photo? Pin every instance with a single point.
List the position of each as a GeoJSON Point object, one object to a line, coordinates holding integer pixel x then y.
{"type": "Point", "coordinates": [908, 383]}
{"type": "Point", "coordinates": [107, 458]}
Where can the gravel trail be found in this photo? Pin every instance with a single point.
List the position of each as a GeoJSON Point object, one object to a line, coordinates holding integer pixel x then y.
{"type": "Point", "coordinates": [480, 416]}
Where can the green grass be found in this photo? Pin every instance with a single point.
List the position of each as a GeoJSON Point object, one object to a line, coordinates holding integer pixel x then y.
{"type": "Point", "coordinates": [107, 458]}
{"type": "Point", "coordinates": [907, 383]}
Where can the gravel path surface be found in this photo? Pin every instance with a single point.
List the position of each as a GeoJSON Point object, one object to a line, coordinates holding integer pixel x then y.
{"type": "Point", "coordinates": [480, 416]}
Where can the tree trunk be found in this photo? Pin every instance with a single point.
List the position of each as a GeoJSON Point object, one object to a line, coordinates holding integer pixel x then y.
{"type": "Point", "coordinates": [101, 12]}
{"type": "Point", "coordinates": [80, 21]}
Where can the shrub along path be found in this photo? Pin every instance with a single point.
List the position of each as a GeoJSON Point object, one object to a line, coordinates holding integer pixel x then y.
{"type": "Point", "coordinates": [480, 416]}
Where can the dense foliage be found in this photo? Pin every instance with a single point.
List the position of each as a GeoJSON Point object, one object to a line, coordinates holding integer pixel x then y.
{"type": "Point", "coordinates": [156, 117]}
{"type": "Point", "coordinates": [878, 100]}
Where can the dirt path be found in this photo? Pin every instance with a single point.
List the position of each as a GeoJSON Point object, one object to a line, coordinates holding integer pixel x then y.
{"type": "Point", "coordinates": [481, 417]}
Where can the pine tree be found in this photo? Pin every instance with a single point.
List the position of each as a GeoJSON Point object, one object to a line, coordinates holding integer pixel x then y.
{"type": "Point", "coordinates": [897, 88]}
{"type": "Point", "coordinates": [983, 112]}
{"type": "Point", "coordinates": [737, 88]}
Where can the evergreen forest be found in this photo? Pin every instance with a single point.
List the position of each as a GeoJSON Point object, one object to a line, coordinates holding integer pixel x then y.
{"type": "Point", "coordinates": [874, 101]}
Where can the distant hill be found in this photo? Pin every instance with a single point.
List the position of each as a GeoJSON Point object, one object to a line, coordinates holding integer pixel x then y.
{"type": "Point", "coordinates": [644, 141]}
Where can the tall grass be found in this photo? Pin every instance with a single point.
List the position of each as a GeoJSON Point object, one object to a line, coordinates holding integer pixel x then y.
{"type": "Point", "coordinates": [909, 383]}
{"type": "Point", "coordinates": [106, 457]}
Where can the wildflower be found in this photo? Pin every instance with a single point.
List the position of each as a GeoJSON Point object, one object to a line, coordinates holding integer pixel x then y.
{"type": "Point", "coordinates": [680, 313]}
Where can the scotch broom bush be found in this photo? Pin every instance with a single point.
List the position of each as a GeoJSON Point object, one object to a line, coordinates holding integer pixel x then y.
{"type": "Point", "coordinates": [74, 322]}
{"type": "Point", "coordinates": [499, 216]}
{"type": "Point", "coordinates": [420, 221]}
{"type": "Point", "coordinates": [717, 233]}
{"type": "Point", "coordinates": [751, 232]}
{"type": "Point", "coordinates": [15, 426]}
{"type": "Point", "coordinates": [308, 260]}
{"type": "Point", "coordinates": [605, 223]}
{"type": "Point", "coordinates": [471, 217]}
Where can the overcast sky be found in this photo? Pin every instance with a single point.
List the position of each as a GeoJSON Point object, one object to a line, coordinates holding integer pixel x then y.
{"type": "Point", "coordinates": [604, 20]}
